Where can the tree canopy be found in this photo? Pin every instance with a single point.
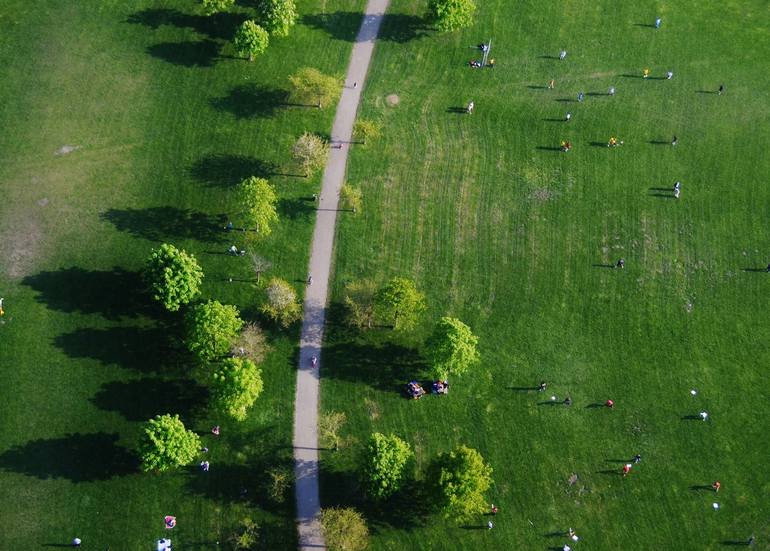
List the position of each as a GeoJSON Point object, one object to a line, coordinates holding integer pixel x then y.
{"type": "Point", "coordinates": [451, 15]}
{"type": "Point", "coordinates": [250, 40]}
{"type": "Point", "coordinates": [174, 277]}
{"type": "Point", "coordinates": [359, 302]}
{"type": "Point", "coordinates": [310, 152]}
{"type": "Point", "coordinates": [311, 85]}
{"type": "Point", "coordinates": [384, 464]}
{"type": "Point", "coordinates": [258, 200]}
{"type": "Point", "coordinates": [235, 387]}
{"type": "Point", "coordinates": [452, 348]}
{"type": "Point", "coordinates": [457, 480]}
{"type": "Point", "coordinates": [400, 303]}
{"type": "Point", "coordinates": [366, 129]}
{"type": "Point", "coordinates": [167, 444]}
{"type": "Point", "coordinates": [211, 328]}
{"type": "Point", "coordinates": [210, 7]}
{"type": "Point", "coordinates": [344, 529]}
{"type": "Point", "coordinates": [351, 197]}
{"type": "Point", "coordinates": [281, 305]}
{"type": "Point", "coordinates": [278, 16]}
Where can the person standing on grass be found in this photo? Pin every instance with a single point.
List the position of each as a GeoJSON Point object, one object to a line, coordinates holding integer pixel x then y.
{"type": "Point", "coordinates": [626, 469]}
{"type": "Point", "coordinates": [674, 140]}
{"type": "Point", "coordinates": [676, 193]}
{"type": "Point", "coordinates": [470, 107]}
{"type": "Point", "coordinates": [658, 21]}
{"type": "Point", "coordinates": [611, 91]}
{"type": "Point", "coordinates": [567, 117]}
{"type": "Point", "coordinates": [567, 401]}
{"type": "Point", "coordinates": [490, 525]}
{"type": "Point", "coordinates": [716, 486]}
{"type": "Point", "coordinates": [621, 263]}
{"type": "Point", "coordinates": [610, 404]}
{"type": "Point", "coordinates": [669, 75]}
{"type": "Point", "coordinates": [541, 386]}
{"type": "Point", "coordinates": [645, 73]}
{"type": "Point", "coordinates": [551, 84]}
{"type": "Point", "coordinates": [562, 55]}
{"type": "Point", "coordinates": [76, 542]}
{"type": "Point", "coordinates": [637, 458]}
{"type": "Point", "coordinates": [2, 312]}
{"type": "Point", "coordinates": [721, 89]}
{"type": "Point", "coordinates": [581, 96]}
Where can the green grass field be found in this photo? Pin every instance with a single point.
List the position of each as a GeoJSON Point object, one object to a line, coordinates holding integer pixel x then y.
{"type": "Point", "coordinates": [165, 121]}
{"type": "Point", "coordinates": [513, 237]}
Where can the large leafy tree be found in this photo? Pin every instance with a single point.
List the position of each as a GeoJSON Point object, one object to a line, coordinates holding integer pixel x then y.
{"type": "Point", "coordinates": [311, 85]}
{"type": "Point", "coordinates": [457, 480]}
{"type": "Point", "coordinates": [281, 305]}
{"type": "Point", "coordinates": [400, 303]}
{"type": "Point", "coordinates": [451, 15]}
{"type": "Point", "coordinates": [359, 302]}
{"type": "Point", "coordinates": [167, 444]}
{"type": "Point", "coordinates": [174, 277]}
{"type": "Point", "coordinates": [250, 40]}
{"type": "Point", "coordinates": [210, 7]}
{"type": "Point", "coordinates": [344, 529]}
{"type": "Point", "coordinates": [310, 152]}
{"type": "Point", "coordinates": [258, 199]}
{"type": "Point", "coordinates": [384, 464]}
{"type": "Point", "coordinates": [366, 129]}
{"type": "Point", "coordinates": [452, 348]}
{"type": "Point", "coordinates": [278, 16]}
{"type": "Point", "coordinates": [211, 328]}
{"type": "Point", "coordinates": [351, 197]}
{"type": "Point", "coordinates": [235, 387]}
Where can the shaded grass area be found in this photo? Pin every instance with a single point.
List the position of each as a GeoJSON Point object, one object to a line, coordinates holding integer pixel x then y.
{"type": "Point", "coordinates": [516, 238]}
{"type": "Point", "coordinates": [128, 125]}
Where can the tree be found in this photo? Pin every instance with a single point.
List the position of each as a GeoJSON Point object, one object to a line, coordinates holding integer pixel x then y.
{"type": "Point", "coordinates": [210, 7]}
{"type": "Point", "coordinates": [366, 129]}
{"type": "Point", "coordinates": [251, 343]}
{"type": "Point", "coordinates": [401, 303]}
{"type": "Point", "coordinates": [278, 16]}
{"type": "Point", "coordinates": [311, 85]}
{"type": "Point", "coordinates": [174, 277]}
{"type": "Point", "coordinates": [310, 152]}
{"type": "Point", "coordinates": [451, 15]}
{"type": "Point", "coordinates": [385, 460]}
{"type": "Point", "coordinates": [167, 444]}
{"type": "Point", "coordinates": [211, 328]}
{"type": "Point", "coordinates": [452, 348]}
{"type": "Point", "coordinates": [457, 480]}
{"type": "Point", "coordinates": [250, 40]}
{"type": "Point", "coordinates": [259, 264]}
{"type": "Point", "coordinates": [280, 482]}
{"type": "Point", "coordinates": [351, 197]}
{"type": "Point", "coordinates": [344, 529]}
{"type": "Point", "coordinates": [359, 300]}
{"type": "Point", "coordinates": [245, 536]}
{"type": "Point", "coordinates": [235, 387]}
{"type": "Point", "coordinates": [329, 425]}
{"type": "Point", "coordinates": [282, 305]}
{"type": "Point", "coordinates": [258, 199]}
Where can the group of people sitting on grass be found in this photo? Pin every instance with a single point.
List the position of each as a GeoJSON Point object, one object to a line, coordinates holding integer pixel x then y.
{"type": "Point", "coordinates": [416, 391]}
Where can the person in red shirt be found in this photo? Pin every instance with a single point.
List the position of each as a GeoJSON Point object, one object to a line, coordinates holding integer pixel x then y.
{"type": "Point", "coordinates": [626, 469]}
{"type": "Point", "coordinates": [716, 485]}
{"type": "Point", "coordinates": [610, 404]}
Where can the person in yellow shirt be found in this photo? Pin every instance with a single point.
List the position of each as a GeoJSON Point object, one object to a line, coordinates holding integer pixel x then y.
{"type": "Point", "coordinates": [645, 73]}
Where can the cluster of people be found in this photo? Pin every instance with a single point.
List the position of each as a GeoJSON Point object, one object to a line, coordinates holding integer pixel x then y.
{"type": "Point", "coordinates": [415, 390]}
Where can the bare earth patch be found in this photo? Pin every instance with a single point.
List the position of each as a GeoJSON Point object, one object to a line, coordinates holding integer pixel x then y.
{"type": "Point", "coordinates": [66, 149]}
{"type": "Point", "coordinates": [20, 246]}
{"type": "Point", "coordinates": [393, 100]}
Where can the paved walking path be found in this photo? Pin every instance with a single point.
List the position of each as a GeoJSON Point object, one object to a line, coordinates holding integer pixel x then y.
{"type": "Point", "coordinates": [306, 399]}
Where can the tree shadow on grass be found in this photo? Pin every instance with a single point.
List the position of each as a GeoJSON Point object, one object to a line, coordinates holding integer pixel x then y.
{"type": "Point", "coordinates": [186, 54]}
{"type": "Point", "coordinates": [76, 457]}
{"type": "Point", "coordinates": [138, 348]}
{"type": "Point", "coordinates": [295, 209]}
{"type": "Point", "coordinates": [164, 223]}
{"type": "Point", "coordinates": [344, 25]}
{"type": "Point", "coordinates": [142, 399]}
{"type": "Point", "coordinates": [218, 26]}
{"type": "Point", "coordinates": [252, 100]}
{"type": "Point", "coordinates": [229, 170]}
{"type": "Point", "coordinates": [114, 294]}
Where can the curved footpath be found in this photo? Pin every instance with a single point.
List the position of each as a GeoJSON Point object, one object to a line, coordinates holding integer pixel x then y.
{"type": "Point", "coordinates": [308, 377]}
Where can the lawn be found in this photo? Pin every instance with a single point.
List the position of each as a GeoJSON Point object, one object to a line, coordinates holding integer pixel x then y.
{"type": "Point", "coordinates": [125, 125]}
{"type": "Point", "coordinates": [517, 238]}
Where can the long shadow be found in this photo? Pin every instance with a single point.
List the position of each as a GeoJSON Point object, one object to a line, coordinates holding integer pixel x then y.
{"type": "Point", "coordinates": [597, 144]}
{"type": "Point", "coordinates": [662, 195]}
{"type": "Point", "coordinates": [566, 100]}
{"type": "Point", "coordinates": [603, 265]}
{"type": "Point", "coordinates": [186, 54]}
{"type": "Point", "coordinates": [295, 209]}
{"type": "Point", "coordinates": [744, 543]}
{"type": "Point", "coordinates": [387, 366]}
{"type": "Point", "coordinates": [76, 457]}
{"type": "Point", "coordinates": [615, 472]}
{"type": "Point", "coordinates": [551, 403]}
{"type": "Point", "coordinates": [632, 76]}
{"type": "Point", "coordinates": [619, 460]}
{"type": "Point", "coordinates": [142, 399]}
{"type": "Point", "coordinates": [114, 294]}
{"type": "Point", "coordinates": [555, 120]}
{"type": "Point", "coordinates": [594, 94]}
{"type": "Point", "coordinates": [474, 527]}
{"type": "Point", "coordinates": [164, 223]}
{"type": "Point", "coordinates": [458, 110]}
{"type": "Point", "coordinates": [138, 348]}
{"type": "Point", "coordinates": [763, 270]}
{"type": "Point", "coordinates": [344, 25]}
{"type": "Point", "coordinates": [648, 25]}
{"type": "Point", "coordinates": [670, 190]}
{"type": "Point", "coordinates": [544, 148]}
{"type": "Point", "coordinates": [227, 170]}
{"type": "Point", "coordinates": [252, 100]}
{"type": "Point", "coordinates": [522, 388]}
{"type": "Point", "coordinates": [595, 406]}
{"type": "Point", "coordinates": [702, 487]}
{"type": "Point", "coordinates": [548, 57]}
{"type": "Point", "coordinates": [706, 92]}
{"type": "Point", "coordinates": [218, 26]}
{"type": "Point", "coordinates": [691, 418]}
{"type": "Point", "coordinates": [534, 87]}
{"type": "Point", "coordinates": [659, 142]}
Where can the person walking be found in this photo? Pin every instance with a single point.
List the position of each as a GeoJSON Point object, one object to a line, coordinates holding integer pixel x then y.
{"type": "Point", "coordinates": [541, 386]}
{"type": "Point", "coordinates": [637, 458]}
{"type": "Point", "coordinates": [716, 486]}
{"type": "Point", "coordinates": [721, 89]}
{"type": "Point", "coordinates": [581, 97]}
{"type": "Point", "coordinates": [567, 117]}
{"type": "Point", "coordinates": [669, 75]}
{"type": "Point", "coordinates": [610, 404]}
{"type": "Point", "coordinates": [621, 263]}
{"type": "Point", "coordinates": [674, 140]}
{"type": "Point", "coordinates": [676, 193]}
{"type": "Point", "coordinates": [490, 525]}
{"type": "Point", "coordinates": [309, 280]}
{"type": "Point", "coordinates": [2, 312]}
{"type": "Point", "coordinates": [562, 55]}
{"type": "Point", "coordinates": [205, 466]}
{"type": "Point", "coordinates": [470, 107]}
{"type": "Point", "coordinates": [611, 91]}
{"type": "Point", "coordinates": [645, 73]}
{"type": "Point", "coordinates": [626, 469]}
{"type": "Point", "coordinates": [493, 510]}
{"type": "Point", "coordinates": [551, 84]}
{"type": "Point", "coordinates": [658, 21]}
{"type": "Point", "coordinates": [567, 401]}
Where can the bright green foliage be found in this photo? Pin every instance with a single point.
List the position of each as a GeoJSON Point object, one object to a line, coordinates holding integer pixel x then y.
{"type": "Point", "coordinates": [351, 198]}
{"type": "Point", "coordinates": [258, 199]}
{"type": "Point", "coordinates": [173, 275]}
{"type": "Point", "coordinates": [167, 444]}
{"type": "Point", "coordinates": [311, 85]}
{"type": "Point", "coordinates": [452, 348]}
{"type": "Point", "coordinates": [235, 387]}
{"type": "Point", "coordinates": [457, 480]}
{"type": "Point", "coordinates": [451, 15]}
{"type": "Point", "coordinates": [250, 40]}
{"type": "Point", "coordinates": [278, 16]}
{"type": "Point", "coordinates": [329, 426]}
{"type": "Point", "coordinates": [385, 460]}
{"type": "Point", "coordinates": [281, 305]}
{"type": "Point", "coordinates": [211, 328]}
{"type": "Point", "coordinates": [310, 152]}
{"type": "Point", "coordinates": [210, 7]}
{"type": "Point", "coordinates": [400, 303]}
{"type": "Point", "coordinates": [367, 130]}
{"type": "Point", "coordinates": [344, 529]}
{"type": "Point", "coordinates": [245, 536]}
{"type": "Point", "coordinates": [359, 302]}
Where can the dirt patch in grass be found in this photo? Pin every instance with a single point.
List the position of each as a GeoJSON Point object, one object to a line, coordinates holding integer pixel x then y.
{"type": "Point", "coordinates": [66, 150]}
{"type": "Point", "coordinates": [393, 100]}
{"type": "Point", "coordinates": [20, 246]}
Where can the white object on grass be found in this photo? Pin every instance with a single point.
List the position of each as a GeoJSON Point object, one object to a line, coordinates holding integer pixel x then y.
{"type": "Point", "coordinates": [693, 392]}
{"type": "Point", "coordinates": [553, 398]}
{"type": "Point", "coordinates": [715, 505]}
